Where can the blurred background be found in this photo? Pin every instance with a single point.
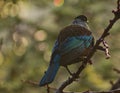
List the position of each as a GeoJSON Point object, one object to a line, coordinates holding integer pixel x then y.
{"type": "Point", "coordinates": [28, 29]}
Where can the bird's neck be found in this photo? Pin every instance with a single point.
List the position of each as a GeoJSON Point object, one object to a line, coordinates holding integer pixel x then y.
{"type": "Point", "coordinates": [80, 23]}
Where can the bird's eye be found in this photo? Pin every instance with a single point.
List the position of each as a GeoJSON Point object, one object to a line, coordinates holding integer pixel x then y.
{"type": "Point", "coordinates": [84, 19]}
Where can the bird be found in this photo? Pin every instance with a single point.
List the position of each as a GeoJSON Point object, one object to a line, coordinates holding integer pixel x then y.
{"type": "Point", "coordinates": [73, 44]}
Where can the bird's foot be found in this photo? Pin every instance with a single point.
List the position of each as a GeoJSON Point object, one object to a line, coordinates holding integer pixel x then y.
{"type": "Point", "coordinates": [69, 71]}
{"type": "Point", "coordinates": [90, 62]}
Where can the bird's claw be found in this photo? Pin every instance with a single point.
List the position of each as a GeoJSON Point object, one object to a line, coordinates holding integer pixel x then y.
{"type": "Point", "coordinates": [72, 74]}
{"type": "Point", "coordinates": [90, 62]}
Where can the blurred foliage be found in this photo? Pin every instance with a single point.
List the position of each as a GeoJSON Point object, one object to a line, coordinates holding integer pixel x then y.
{"type": "Point", "coordinates": [28, 29]}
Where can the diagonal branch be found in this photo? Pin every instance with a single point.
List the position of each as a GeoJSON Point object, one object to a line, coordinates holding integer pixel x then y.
{"type": "Point", "coordinates": [105, 34]}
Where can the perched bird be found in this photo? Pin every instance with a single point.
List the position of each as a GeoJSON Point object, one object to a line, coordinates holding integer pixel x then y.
{"type": "Point", "coordinates": [72, 45]}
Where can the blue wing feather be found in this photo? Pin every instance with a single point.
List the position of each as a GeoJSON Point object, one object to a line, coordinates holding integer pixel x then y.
{"type": "Point", "coordinates": [55, 46]}
{"type": "Point", "coordinates": [73, 49]}
{"type": "Point", "coordinates": [71, 43]}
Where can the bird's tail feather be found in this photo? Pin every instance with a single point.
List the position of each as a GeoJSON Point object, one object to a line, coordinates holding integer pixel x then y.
{"type": "Point", "coordinates": [50, 74]}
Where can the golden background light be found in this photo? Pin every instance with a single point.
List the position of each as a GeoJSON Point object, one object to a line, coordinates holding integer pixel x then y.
{"type": "Point", "coordinates": [58, 2]}
{"type": "Point", "coordinates": [40, 35]}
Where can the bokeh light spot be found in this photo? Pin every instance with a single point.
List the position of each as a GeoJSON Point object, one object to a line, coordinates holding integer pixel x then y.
{"type": "Point", "coordinates": [58, 3]}
{"type": "Point", "coordinates": [19, 51]}
{"type": "Point", "coordinates": [14, 10]}
{"type": "Point", "coordinates": [40, 35]}
{"type": "Point", "coordinates": [20, 44]}
{"type": "Point", "coordinates": [42, 46]}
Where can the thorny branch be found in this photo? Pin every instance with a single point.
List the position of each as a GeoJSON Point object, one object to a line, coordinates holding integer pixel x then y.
{"type": "Point", "coordinates": [82, 67]}
{"type": "Point", "coordinates": [113, 89]}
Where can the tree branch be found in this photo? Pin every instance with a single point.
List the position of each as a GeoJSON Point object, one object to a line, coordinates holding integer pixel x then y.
{"type": "Point", "coordinates": [116, 85]}
{"type": "Point", "coordinates": [111, 91]}
{"type": "Point", "coordinates": [92, 52]}
{"type": "Point", "coordinates": [114, 89]}
{"type": "Point", "coordinates": [116, 70]}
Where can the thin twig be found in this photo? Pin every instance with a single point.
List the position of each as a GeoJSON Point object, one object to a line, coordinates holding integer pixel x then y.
{"type": "Point", "coordinates": [35, 83]}
{"type": "Point", "coordinates": [48, 89]}
{"type": "Point", "coordinates": [30, 82]}
{"type": "Point", "coordinates": [116, 70]}
{"type": "Point", "coordinates": [116, 85]}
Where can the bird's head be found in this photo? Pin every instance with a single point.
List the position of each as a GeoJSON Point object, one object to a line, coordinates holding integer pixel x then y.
{"type": "Point", "coordinates": [81, 20]}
